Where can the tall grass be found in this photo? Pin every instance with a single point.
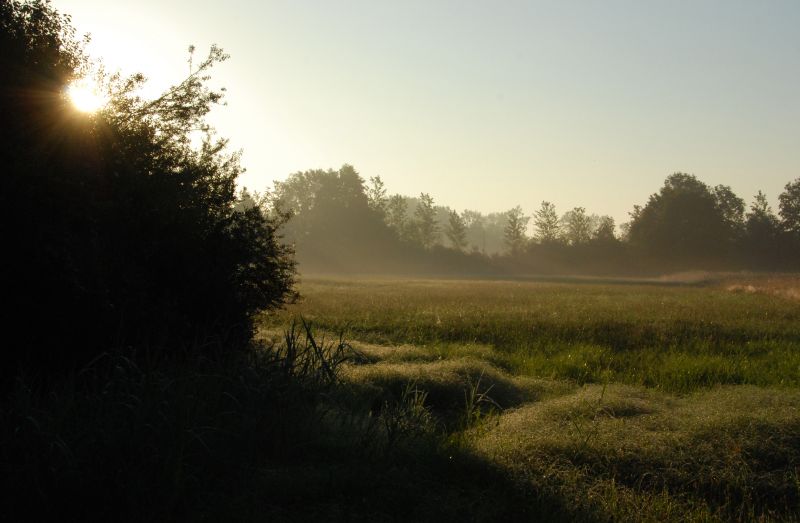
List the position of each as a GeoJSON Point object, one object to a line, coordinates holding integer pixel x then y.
{"type": "Point", "coordinates": [274, 435]}
{"type": "Point", "coordinates": [153, 444]}
{"type": "Point", "coordinates": [610, 402]}
{"type": "Point", "coordinates": [542, 408]}
{"type": "Point", "coordinates": [673, 337]}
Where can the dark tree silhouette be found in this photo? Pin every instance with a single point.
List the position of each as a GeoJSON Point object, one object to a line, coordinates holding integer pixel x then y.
{"type": "Point", "coordinates": [732, 208]}
{"type": "Point", "coordinates": [122, 234]}
{"type": "Point", "coordinates": [762, 235]}
{"type": "Point", "coordinates": [789, 207]}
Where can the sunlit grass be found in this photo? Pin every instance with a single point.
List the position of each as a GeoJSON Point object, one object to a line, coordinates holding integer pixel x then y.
{"type": "Point", "coordinates": [672, 337]}
{"type": "Point", "coordinates": [633, 454]}
{"type": "Point", "coordinates": [608, 402]}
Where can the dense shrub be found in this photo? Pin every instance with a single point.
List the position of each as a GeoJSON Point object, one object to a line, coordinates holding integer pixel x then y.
{"type": "Point", "coordinates": [118, 232]}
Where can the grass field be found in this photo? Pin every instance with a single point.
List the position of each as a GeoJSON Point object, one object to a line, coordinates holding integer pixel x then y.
{"type": "Point", "coordinates": [559, 400]}
{"type": "Point", "coordinates": [595, 401]}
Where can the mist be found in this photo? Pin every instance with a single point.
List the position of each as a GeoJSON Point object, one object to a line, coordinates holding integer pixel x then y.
{"type": "Point", "coordinates": [340, 223]}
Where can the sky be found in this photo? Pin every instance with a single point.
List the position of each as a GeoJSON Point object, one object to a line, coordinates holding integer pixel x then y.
{"type": "Point", "coordinates": [484, 104]}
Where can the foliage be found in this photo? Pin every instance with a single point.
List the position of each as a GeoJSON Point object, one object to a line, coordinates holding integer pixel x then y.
{"type": "Point", "coordinates": [762, 231]}
{"type": "Point", "coordinates": [124, 234]}
{"type": "Point", "coordinates": [427, 229]}
{"type": "Point", "coordinates": [336, 229]}
{"type": "Point", "coordinates": [406, 418]}
{"type": "Point", "coordinates": [732, 208]}
{"type": "Point", "coordinates": [577, 226]}
{"type": "Point", "coordinates": [545, 220]}
{"type": "Point", "coordinates": [514, 231]}
{"type": "Point", "coordinates": [686, 225]}
{"type": "Point", "coordinates": [397, 215]}
{"type": "Point", "coordinates": [456, 231]}
{"type": "Point", "coordinates": [605, 230]}
{"type": "Point", "coordinates": [485, 232]}
{"type": "Point", "coordinates": [376, 194]}
{"type": "Point", "coordinates": [682, 222]}
{"type": "Point", "coordinates": [333, 224]}
{"type": "Point", "coordinates": [790, 207]}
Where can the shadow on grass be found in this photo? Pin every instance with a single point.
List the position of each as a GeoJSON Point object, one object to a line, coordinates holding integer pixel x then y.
{"type": "Point", "coordinates": [248, 440]}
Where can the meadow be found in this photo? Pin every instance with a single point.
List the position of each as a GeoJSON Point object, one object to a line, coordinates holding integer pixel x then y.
{"type": "Point", "coordinates": [436, 400]}
{"type": "Point", "coordinates": [593, 400]}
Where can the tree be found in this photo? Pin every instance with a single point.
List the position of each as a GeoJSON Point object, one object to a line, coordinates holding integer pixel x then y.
{"type": "Point", "coordinates": [476, 229]}
{"type": "Point", "coordinates": [604, 232]}
{"type": "Point", "coordinates": [625, 228]}
{"type": "Point", "coordinates": [376, 195]}
{"type": "Point", "coordinates": [514, 232]}
{"type": "Point", "coordinates": [682, 224]}
{"type": "Point", "coordinates": [425, 220]}
{"type": "Point", "coordinates": [397, 215]}
{"type": "Point", "coordinates": [123, 233]}
{"type": "Point", "coordinates": [577, 226]}
{"type": "Point", "coordinates": [333, 225]}
{"type": "Point", "coordinates": [547, 224]}
{"type": "Point", "coordinates": [732, 209]}
{"type": "Point", "coordinates": [789, 207]}
{"type": "Point", "coordinates": [762, 231]}
{"type": "Point", "coordinates": [456, 231]}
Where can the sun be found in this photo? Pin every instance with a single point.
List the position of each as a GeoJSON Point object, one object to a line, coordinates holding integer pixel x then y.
{"type": "Point", "coordinates": [86, 96]}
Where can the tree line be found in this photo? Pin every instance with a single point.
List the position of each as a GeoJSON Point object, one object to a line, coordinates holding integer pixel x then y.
{"type": "Point", "coordinates": [339, 221]}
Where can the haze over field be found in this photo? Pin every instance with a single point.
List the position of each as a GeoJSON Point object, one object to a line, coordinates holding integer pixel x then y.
{"type": "Point", "coordinates": [432, 303]}
{"type": "Point", "coordinates": [488, 106]}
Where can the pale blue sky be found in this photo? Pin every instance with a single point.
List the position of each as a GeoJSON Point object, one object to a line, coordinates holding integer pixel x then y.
{"type": "Point", "coordinates": [486, 105]}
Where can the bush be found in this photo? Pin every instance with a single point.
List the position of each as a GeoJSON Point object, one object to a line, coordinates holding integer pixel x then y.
{"type": "Point", "coordinates": [120, 442]}
{"type": "Point", "coordinates": [118, 231]}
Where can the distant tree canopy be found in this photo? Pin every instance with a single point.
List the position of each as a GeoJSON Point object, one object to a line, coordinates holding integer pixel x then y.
{"type": "Point", "coordinates": [339, 223]}
{"type": "Point", "coordinates": [514, 233]}
{"type": "Point", "coordinates": [426, 226]}
{"type": "Point", "coordinates": [577, 226]}
{"type": "Point", "coordinates": [545, 220]}
{"type": "Point", "coordinates": [376, 194]}
{"type": "Point", "coordinates": [790, 207]}
{"type": "Point", "coordinates": [762, 233]}
{"type": "Point", "coordinates": [732, 209]}
{"type": "Point", "coordinates": [456, 231]}
{"type": "Point", "coordinates": [397, 215]}
{"type": "Point", "coordinates": [335, 225]}
{"type": "Point", "coordinates": [120, 232]}
{"type": "Point", "coordinates": [684, 221]}
{"type": "Point", "coordinates": [686, 225]}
